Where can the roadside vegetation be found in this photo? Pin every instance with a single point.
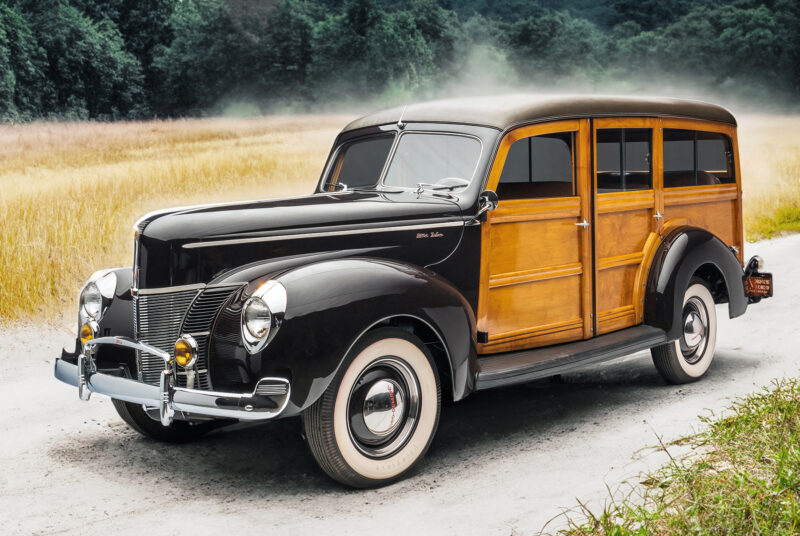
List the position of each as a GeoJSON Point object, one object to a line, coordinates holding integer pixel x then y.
{"type": "Point", "coordinates": [70, 192]}
{"type": "Point", "coordinates": [742, 477]}
{"type": "Point", "coordinates": [769, 149]}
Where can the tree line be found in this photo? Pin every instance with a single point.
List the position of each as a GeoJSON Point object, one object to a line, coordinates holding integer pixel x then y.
{"type": "Point", "coordinates": [117, 59]}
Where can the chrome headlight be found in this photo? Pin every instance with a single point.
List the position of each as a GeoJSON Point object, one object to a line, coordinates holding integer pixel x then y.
{"type": "Point", "coordinates": [95, 295]}
{"type": "Point", "coordinates": [257, 317]}
{"type": "Point", "coordinates": [262, 315]}
{"type": "Point", "coordinates": [91, 301]}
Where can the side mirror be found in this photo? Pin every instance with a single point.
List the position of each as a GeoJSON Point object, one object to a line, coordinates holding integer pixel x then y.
{"type": "Point", "coordinates": [486, 201]}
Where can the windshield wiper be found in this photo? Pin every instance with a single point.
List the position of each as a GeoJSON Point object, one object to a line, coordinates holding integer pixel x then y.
{"type": "Point", "coordinates": [422, 186]}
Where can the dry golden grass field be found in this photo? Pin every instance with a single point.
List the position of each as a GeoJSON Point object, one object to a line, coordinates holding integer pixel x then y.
{"type": "Point", "coordinates": [70, 193]}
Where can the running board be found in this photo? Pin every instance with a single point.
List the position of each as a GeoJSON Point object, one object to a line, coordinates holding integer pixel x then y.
{"type": "Point", "coordinates": [497, 370]}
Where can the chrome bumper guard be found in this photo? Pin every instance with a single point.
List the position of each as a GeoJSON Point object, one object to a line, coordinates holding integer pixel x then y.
{"type": "Point", "coordinates": [268, 399]}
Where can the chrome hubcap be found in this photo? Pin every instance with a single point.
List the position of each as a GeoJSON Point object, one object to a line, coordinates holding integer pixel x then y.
{"type": "Point", "coordinates": [695, 330]}
{"type": "Point", "coordinates": [383, 408]}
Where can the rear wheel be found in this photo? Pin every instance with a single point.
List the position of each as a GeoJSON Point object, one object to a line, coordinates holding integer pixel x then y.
{"type": "Point", "coordinates": [178, 432]}
{"type": "Point", "coordinates": [688, 358]}
{"type": "Point", "coordinates": [377, 418]}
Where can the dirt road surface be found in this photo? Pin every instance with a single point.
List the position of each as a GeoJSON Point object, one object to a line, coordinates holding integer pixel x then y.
{"type": "Point", "coordinates": [503, 462]}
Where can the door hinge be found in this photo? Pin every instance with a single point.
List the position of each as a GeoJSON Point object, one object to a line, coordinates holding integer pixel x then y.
{"type": "Point", "coordinates": [483, 337]}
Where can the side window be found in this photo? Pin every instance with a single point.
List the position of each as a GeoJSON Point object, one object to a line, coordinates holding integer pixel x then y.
{"type": "Point", "coordinates": [539, 166]}
{"type": "Point", "coordinates": [361, 162]}
{"type": "Point", "coordinates": [693, 158]}
{"type": "Point", "coordinates": [714, 159]}
{"type": "Point", "coordinates": [623, 159]}
{"type": "Point", "coordinates": [678, 158]}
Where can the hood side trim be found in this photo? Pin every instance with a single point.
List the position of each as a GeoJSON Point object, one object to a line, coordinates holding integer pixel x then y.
{"type": "Point", "coordinates": [234, 241]}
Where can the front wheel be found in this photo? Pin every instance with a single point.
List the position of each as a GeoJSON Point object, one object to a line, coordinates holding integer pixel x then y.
{"type": "Point", "coordinates": [688, 358]}
{"type": "Point", "coordinates": [377, 418]}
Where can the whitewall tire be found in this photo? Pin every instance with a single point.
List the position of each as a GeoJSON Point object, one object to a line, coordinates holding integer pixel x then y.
{"type": "Point", "coordinates": [377, 418]}
{"type": "Point", "coordinates": [687, 359]}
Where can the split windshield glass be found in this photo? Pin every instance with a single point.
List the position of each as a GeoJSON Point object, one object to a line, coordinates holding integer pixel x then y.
{"type": "Point", "coordinates": [360, 163]}
{"type": "Point", "coordinates": [437, 160]}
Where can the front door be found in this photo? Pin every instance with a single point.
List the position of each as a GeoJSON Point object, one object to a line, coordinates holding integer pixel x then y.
{"type": "Point", "coordinates": [628, 209]}
{"type": "Point", "coordinates": [536, 258]}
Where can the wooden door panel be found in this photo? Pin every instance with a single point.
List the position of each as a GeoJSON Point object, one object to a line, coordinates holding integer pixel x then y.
{"type": "Point", "coordinates": [624, 234]}
{"type": "Point", "coordinates": [536, 271]}
{"type": "Point", "coordinates": [513, 245]}
{"type": "Point", "coordinates": [544, 311]}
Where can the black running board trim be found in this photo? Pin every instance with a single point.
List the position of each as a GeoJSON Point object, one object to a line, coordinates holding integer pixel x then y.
{"type": "Point", "coordinates": [497, 370]}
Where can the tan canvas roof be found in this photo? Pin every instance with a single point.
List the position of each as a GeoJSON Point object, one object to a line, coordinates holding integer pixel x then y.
{"type": "Point", "coordinates": [504, 111]}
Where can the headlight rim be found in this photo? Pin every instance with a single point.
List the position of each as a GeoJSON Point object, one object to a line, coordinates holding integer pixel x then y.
{"type": "Point", "coordinates": [83, 303]}
{"type": "Point", "coordinates": [273, 295]}
{"type": "Point", "coordinates": [105, 281]}
{"type": "Point", "coordinates": [254, 337]}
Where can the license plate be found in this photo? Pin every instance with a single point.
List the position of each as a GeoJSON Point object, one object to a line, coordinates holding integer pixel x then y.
{"type": "Point", "coordinates": [758, 286]}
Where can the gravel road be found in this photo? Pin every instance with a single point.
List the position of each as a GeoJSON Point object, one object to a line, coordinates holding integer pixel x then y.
{"type": "Point", "coordinates": [503, 462]}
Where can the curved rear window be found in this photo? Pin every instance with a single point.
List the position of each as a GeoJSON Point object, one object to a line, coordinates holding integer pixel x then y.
{"type": "Point", "coordinates": [435, 159]}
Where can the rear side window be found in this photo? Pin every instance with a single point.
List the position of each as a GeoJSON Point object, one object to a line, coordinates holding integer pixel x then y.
{"type": "Point", "coordinates": [695, 158]}
{"type": "Point", "coordinates": [360, 163]}
{"type": "Point", "coordinates": [539, 166]}
{"type": "Point", "coordinates": [623, 159]}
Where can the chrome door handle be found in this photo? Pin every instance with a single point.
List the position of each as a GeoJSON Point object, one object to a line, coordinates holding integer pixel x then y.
{"type": "Point", "coordinates": [583, 224]}
{"type": "Point", "coordinates": [658, 215]}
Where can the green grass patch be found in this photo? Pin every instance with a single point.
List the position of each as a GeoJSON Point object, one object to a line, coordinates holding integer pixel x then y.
{"type": "Point", "coordinates": [742, 477]}
{"type": "Point", "coordinates": [783, 220]}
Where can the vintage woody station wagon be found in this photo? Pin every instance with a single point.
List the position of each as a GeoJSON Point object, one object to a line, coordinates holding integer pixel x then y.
{"type": "Point", "coordinates": [449, 247]}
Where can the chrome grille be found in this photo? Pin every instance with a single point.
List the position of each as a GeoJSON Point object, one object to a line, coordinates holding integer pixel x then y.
{"type": "Point", "coordinates": [158, 322]}
{"type": "Point", "coordinates": [161, 318]}
{"type": "Point", "coordinates": [272, 389]}
{"type": "Point", "coordinates": [198, 324]}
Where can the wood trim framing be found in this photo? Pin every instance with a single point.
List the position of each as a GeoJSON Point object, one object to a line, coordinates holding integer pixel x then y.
{"type": "Point", "coordinates": [627, 227]}
{"type": "Point", "coordinates": [502, 277]}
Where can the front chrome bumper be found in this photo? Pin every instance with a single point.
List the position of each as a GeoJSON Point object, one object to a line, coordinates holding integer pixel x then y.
{"type": "Point", "coordinates": [267, 400]}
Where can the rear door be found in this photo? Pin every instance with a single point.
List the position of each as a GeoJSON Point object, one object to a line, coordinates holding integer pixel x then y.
{"type": "Point", "coordinates": [628, 209]}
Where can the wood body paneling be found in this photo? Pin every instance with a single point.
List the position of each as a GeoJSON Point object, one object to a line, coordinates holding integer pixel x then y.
{"type": "Point", "coordinates": [544, 281]}
{"type": "Point", "coordinates": [536, 271]}
{"type": "Point", "coordinates": [717, 208]}
{"type": "Point", "coordinates": [624, 224]}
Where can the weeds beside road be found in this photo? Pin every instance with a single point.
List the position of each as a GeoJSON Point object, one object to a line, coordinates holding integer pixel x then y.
{"type": "Point", "coordinates": [742, 478]}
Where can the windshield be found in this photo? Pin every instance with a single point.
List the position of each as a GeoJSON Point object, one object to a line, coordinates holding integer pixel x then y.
{"type": "Point", "coordinates": [443, 160]}
{"type": "Point", "coordinates": [360, 163]}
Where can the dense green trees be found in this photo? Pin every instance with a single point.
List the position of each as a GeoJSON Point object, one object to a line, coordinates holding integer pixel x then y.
{"type": "Point", "coordinates": [137, 58]}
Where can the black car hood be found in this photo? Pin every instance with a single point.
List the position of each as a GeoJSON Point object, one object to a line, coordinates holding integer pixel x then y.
{"type": "Point", "coordinates": [198, 245]}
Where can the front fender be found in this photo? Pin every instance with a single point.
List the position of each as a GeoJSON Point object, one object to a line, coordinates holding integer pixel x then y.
{"type": "Point", "coordinates": [330, 305]}
{"type": "Point", "coordinates": [117, 320]}
{"type": "Point", "coordinates": [682, 252]}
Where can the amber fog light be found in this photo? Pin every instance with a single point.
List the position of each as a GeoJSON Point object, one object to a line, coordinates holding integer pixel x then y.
{"type": "Point", "coordinates": [88, 331]}
{"type": "Point", "coordinates": [186, 351]}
